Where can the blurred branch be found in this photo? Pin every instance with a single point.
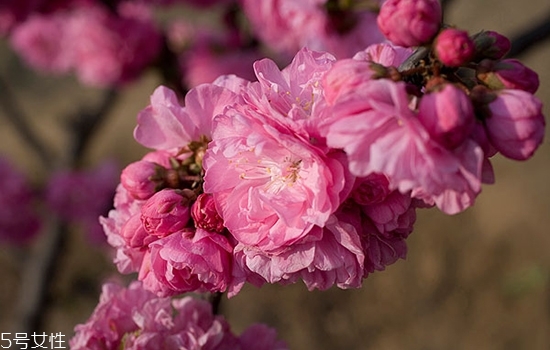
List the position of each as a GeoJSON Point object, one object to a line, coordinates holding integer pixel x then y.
{"type": "Point", "coordinates": [18, 119]}
{"type": "Point", "coordinates": [83, 127]}
{"type": "Point", "coordinates": [42, 266]}
{"type": "Point", "coordinates": [529, 38]}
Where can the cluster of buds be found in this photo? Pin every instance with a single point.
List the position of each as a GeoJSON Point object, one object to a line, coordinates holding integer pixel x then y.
{"type": "Point", "coordinates": [464, 81]}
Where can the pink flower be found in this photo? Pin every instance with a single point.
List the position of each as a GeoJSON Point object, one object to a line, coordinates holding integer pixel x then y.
{"type": "Point", "coordinates": [516, 124]}
{"type": "Point", "coordinates": [269, 186]}
{"type": "Point", "coordinates": [41, 42]}
{"type": "Point", "coordinates": [508, 74]}
{"type": "Point", "coordinates": [448, 115]}
{"type": "Point", "coordinates": [453, 47]}
{"type": "Point", "coordinates": [19, 220]}
{"type": "Point", "coordinates": [385, 54]}
{"type": "Point", "coordinates": [328, 256]}
{"type": "Point", "coordinates": [410, 22]}
{"type": "Point", "coordinates": [287, 26]}
{"type": "Point", "coordinates": [189, 261]}
{"type": "Point", "coordinates": [166, 124]}
{"type": "Point", "coordinates": [380, 134]}
{"type": "Point", "coordinates": [133, 318]}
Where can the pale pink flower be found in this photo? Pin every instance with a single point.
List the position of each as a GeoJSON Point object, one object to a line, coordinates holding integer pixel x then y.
{"type": "Point", "coordinates": [380, 134]}
{"type": "Point", "coordinates": [327, 256]}
{"type": "Point", "coordinates": [270, 186]}
{"type": "Point", "coordinates": [410, 22]}
{"type": "Point", "coordinates": [385, 54]}
{"type": "Point", "coordinates": [516, 124]}
{"type": "Point", "coordinates": [187, 261]}
{"type": "Point", "coordinates": [508, 74]}
{"type": "Point", "coordinates": [167, 124]}
{"type": "Point", "coordinates": [19, 220]}
{"type": "Point", "coordinates": [448, 115]}
{"type": "Point", "coordinates": [453, 47]}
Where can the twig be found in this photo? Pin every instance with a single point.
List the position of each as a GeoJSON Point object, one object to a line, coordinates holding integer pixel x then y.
{"type": "Point", "coordinates": [530, 37]}
{"type": "Point", "coordinates": [18, 119]}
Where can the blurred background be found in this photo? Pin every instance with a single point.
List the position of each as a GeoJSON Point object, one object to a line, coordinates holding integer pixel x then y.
{"type": "Point", "coordinates": [476, 280]}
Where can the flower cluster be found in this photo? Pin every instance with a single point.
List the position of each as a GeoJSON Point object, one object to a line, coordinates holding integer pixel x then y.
{"type": "Point", "coordinates": [314, 172]}
{"type": "Point", "coordinates": [133, 318]}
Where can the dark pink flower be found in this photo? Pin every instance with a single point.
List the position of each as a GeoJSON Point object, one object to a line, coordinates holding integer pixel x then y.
{"type": "Point", "coordinates": [508, 74]}
{"type": "Point", "coordinates": [448, 115]}
{"type": "Point", "coordinates": [410, 22]}
{"type": "Point", "coordinates": [205, 214]}
{"type": "Point", "coordinates": [516, 124]}
{"type": "Point", "coordinates": [19, 220]}
{"type": "Point", "coordinates": [453, 47]}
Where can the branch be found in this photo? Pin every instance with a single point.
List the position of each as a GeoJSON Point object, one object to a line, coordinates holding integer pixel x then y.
{"type": "Point", "coordinates": [526, 40]}
{"type": "Point", "coordinates": [18, 119]}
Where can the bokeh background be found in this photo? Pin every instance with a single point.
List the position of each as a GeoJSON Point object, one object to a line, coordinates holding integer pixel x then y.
{"type": "Point", "coordinates": [477, 280]}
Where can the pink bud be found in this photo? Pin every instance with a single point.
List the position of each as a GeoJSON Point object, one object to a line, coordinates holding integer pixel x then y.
{"type": "Point", "coordinates": [447, 115]}
{"type": "Point", "coordinates": [453, 47]}
{"type": "Point", "coordinates": [134, 234]}
{"type": "Point", "coordinates": [490, 44]}
{"type": "Point", "coordinates": [205, 215]}
{"type": "Point", "coordinates": [139, 178]}
{"type": "Point", "coordinates": [516, 125]}
{"type": "Point", "coordinates": [166, 212]}
{"type": "Point", "coordinates": [410, 22]}
{"type": "Point", "coordinates": [508, 74]}
{"type": "Point", "coordinates": [346, 75]}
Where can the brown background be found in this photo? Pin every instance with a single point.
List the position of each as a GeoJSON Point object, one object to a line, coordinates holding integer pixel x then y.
{"type": "Point", "coordinates": [477, 280]}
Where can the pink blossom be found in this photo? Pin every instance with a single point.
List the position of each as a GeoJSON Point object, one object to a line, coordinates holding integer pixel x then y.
{"type": "Point", "coordinates": [19, 220]}
{"type": "Point", "coordinates": [385, 54]}
{"type": "Point", "coordinates": [187, 261]}
{"type": "Point", "coordinates": [410, 22]}
{"type": "Point", "coordinates": [453, 47]}
{"type": "Point", "coordinates": [380, 134]}
{"type": "Point", "coordinates": [108, 49]}
{"type": "Point", "coordinates": [508, 74]}
{"type": "Point", "coordinates": [516, 124]}
{"type": "Point", "coordinates": [41, 41]}
{"type": "Point", "coordinates": [287, 26]}
{"type": "Point", "coordinates": [448, 115]}
{"type": "Point", "coordinates": [327, 256]}
{"type": "Point", "coordinates": [270, 186]}
{"type": "Point", "coordinates": [166, 212]}
{"type": "Point", "coordinates": [133, 318]}
{"type": "Point", "coordinates": [166, 124]}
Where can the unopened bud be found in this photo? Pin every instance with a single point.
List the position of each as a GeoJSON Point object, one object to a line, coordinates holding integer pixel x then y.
{"type": "Point", "coordinates": [205, 215]}
{"type": "Point", "coordinates": [142, 179]}
{"type": "Point", "coordinates": [508, 74]}
{"type": "Point", "coordinates": [453, 47]}
{"type": "Point", "coordinates": [490, 44]}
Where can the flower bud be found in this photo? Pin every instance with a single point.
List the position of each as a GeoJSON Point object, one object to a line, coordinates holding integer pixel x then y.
{"type": "Point", "coordinates": [142, 178]}
{"type": "Point", "coordinates": [205, 215]}
{"type": "Point", "coordinates": [508, 74]}
{"type": "Point", "coordinates": [346, 75]}
{"type": "Point", "coordinates": [447, 115]}
{"type": "Point", "coordinates": [453, 47]}
{"type": "Point", "coordinates": [134, 234]}
{"type": "Point", "coordinates": [516, 125]}
{"type": "Point", "coordinates": [410, 22]}
{"type": "Point", "coordinates": [490, 44]}
{"type": "Point", "coordinates": [166, 212]}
